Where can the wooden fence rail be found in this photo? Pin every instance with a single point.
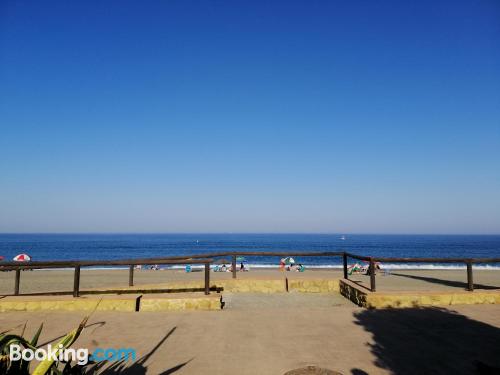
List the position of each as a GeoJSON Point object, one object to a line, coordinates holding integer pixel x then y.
{"type": "Point", "coordinates": [77, 265]}
{"type": "Point", "coordinates": [373, 260]}
{"type": "Point", "coordinates": [207, 259]}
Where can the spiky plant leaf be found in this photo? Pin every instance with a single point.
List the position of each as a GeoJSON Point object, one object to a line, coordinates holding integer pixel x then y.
{"type": "Point", "coordinates": [24, 328]}
{"type": "Point", "coordinates": [34, 340]}
{"type": "Point", "coordinates": [7, 340]}
{"type": "Point", "coordinates": [45, 366]}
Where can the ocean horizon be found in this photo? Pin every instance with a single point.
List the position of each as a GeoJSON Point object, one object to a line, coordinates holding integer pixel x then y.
{"type": "Point", "coordinates": [111, 246]}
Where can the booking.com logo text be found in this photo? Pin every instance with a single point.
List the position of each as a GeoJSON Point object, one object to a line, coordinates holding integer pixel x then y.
{"type": "Point", "coordinates": [82, 355]}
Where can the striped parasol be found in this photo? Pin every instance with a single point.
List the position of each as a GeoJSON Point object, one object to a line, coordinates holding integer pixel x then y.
{"type": "Point", "coordinates": [22, 258]}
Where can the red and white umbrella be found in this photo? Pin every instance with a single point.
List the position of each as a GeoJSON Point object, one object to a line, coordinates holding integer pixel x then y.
{"type": "Point", "coordinates": [22, 258]}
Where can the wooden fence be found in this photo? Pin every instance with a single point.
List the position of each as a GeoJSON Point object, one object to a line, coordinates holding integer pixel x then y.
{"type": "Point", "coordinates": [207, 260]}
{"type": "Point", "coordinates": [77, 265]}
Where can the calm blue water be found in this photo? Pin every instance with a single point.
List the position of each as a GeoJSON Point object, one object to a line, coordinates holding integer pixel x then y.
{"type": "Point", "coordinates": [120, 246]}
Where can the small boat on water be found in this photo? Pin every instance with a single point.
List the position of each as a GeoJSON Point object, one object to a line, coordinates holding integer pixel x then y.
{"type": "Point", "coordinates": [342, 238]}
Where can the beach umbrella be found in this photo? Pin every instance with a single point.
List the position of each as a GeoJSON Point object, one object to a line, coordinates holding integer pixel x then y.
{"type": "Point", "coordinates": [240, 259]}
{"type": "Point", "coordinates": [1, 257]}
{"type": "Point", "coordinates": [22, 258]}
{"type": "Point", "coordinates": [289, 260]}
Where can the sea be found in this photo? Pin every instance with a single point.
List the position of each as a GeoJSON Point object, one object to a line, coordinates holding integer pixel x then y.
{"type": "Point", "coordinates": [44, 247]}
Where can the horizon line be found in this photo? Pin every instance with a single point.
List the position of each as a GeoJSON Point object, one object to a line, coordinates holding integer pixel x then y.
{"type": "Point", "coordinates": [254, 233]}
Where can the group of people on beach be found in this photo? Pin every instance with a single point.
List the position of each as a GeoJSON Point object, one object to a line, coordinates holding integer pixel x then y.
{"type": "Point", "coordinates": [288, 264]}
{"type": "Point", "coordinates": [153, 267]}
{"type": "Point", "coordinates": [223, 268]}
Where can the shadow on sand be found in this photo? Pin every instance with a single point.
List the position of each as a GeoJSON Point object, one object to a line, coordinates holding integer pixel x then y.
{"type": "Point", "coordinates": [136, 368]}
{"type": "Point", "coordinates": [431, 341]}
{"type": "Point", "coordinates": [455, 284]}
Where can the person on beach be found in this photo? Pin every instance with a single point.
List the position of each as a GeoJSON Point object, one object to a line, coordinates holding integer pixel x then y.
{"type": "Point", "coordinates": [299, 268]}
{"type": "Point", "coordinates": [374, 270]}
{"type": "Point", "coordinates": [282, 264]}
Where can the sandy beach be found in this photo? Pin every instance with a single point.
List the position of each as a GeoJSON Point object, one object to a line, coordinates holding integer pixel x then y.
{"type": "Point", "coordinates": [400, 280]}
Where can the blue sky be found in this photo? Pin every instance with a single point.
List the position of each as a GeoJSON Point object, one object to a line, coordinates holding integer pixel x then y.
{"type": "Point", "coordinates": [250, 116]}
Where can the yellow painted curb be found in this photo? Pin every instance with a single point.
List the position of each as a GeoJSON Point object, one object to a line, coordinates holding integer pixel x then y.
{"type": "Point", "coordinates": [75, 304]}
{"type": "Point", "coordinates": [111, 303]}
{"type": "Point", "coordinates": [178, 304]}
{"type": "Point", "coordinates": [252, 286]}
{"type": "Point", "coordinates": [314, 286]}
{"type": "Point", "coordinates": [378, 301]}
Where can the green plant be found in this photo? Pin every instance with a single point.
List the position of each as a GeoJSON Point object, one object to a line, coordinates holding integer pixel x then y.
{"type": "Point", "coordinates": [47, 366]}
{"type": "Point", "coordinates": [6, 340]}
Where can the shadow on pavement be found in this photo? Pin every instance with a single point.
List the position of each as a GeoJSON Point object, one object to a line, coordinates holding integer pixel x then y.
{"type": "Point", "coordinates": [136, 368]}
{"type": "Point", "coordinates": [431, 341]}
{"type": "Point", "coordinates": [456, 284]}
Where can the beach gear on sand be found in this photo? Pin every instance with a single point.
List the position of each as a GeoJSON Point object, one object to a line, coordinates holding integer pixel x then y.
{"type": "Point", "coordinates": [22, 258]}
{"type": "Point", "coordinates": [288, 263]}
{"type": "Point", "coordinates": [220, 268]}
{"type": "Point", "coordinates": [354, 268]}
{"type": "Point", "coordinates": [188, 268]}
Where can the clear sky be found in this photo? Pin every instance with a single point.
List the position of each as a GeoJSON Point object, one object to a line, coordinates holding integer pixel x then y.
{"type": "Point", "coordinates": [250, 116]}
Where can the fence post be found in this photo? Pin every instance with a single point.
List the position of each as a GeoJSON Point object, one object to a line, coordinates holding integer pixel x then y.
{"type": "Point", "coordinates": [131, 276]}
{"type": "Point", "coordinates": [17, 282]}
{"type": "Point", "coordinates": [76, 282]}
{"type": "Point", "coordinates": [207, 278]}
{"type": "Point", "coordinates": [470, 280]}
{"type": "Point", "coordinates": [372, 275]}
{"type": "Point", "coordinates": [344, 257]}
{"type": "Point", "coordinates": [233, 263]}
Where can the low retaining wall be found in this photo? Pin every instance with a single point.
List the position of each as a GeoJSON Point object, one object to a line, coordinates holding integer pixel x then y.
{"type": "Point", "coordinates": [128, 302]}
{"type": "Point", "coordinates": [67, 304]}
{"type": "Point", "coordinates": [149, 303]}
{"type": "Point", "coordinates": [377, 300]}
{"type": "Point", "coordinates": [353, 293]}
{"type": "Point", "coordinates": [247, 286]}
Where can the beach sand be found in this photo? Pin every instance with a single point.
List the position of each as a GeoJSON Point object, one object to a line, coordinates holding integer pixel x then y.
{"type": "Point", "coordinates": [397, 280]}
